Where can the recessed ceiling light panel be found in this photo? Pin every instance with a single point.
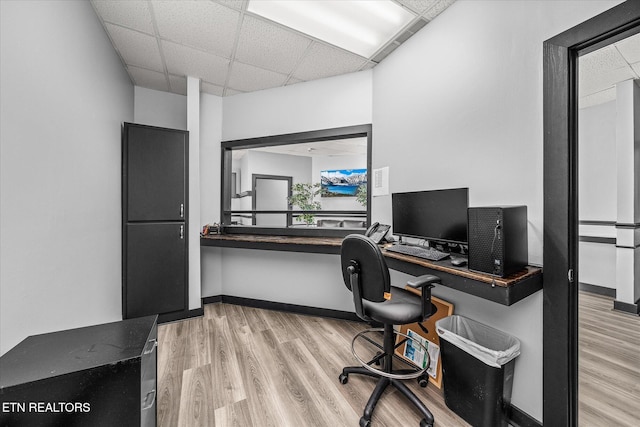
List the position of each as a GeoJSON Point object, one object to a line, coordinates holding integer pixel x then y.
{"type": "Point", "coordinates": [359, 26]}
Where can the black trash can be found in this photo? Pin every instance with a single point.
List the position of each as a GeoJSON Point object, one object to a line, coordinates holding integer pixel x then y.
{"type": "Point", "coordinates": [477, 370]}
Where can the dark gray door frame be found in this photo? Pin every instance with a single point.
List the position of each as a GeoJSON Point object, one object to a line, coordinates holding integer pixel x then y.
{"type": "Point", "coordinates": [560, 310]}
{"type": "Point", "coordinates": [255, 177]}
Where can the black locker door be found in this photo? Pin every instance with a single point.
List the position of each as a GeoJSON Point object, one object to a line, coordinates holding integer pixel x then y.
{"type": "Point", "coordinates": [155, 268]}
{"type": "Point", "coordinates": [155, 220]}
{"type": "Point", "coordinates": [156, 164]}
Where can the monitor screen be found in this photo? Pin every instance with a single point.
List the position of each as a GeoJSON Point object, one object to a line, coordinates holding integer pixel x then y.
{"type": "Point", "coordinates": [437, 215]}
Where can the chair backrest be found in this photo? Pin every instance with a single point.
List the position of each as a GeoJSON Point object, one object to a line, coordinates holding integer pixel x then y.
{"type": "Point", "coordinates": [373, 274]}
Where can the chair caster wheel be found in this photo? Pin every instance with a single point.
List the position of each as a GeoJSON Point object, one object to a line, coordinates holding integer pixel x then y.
{"type": "Point", "coordinates": [423, 381]}
{"type": "Point", "coordinates": [364, 423]}
{"type": "Point", "coordinates": [424, 423]}
{"type": "Point", "coordinates": [343, 379]}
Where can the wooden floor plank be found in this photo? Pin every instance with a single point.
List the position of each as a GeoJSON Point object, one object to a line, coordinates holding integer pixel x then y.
{"type": "Point", "coordinates": [196, 397]}
{"type": "Point", "coordinates": [608, 364]}
{"type": "Point", "coordinates": [235, 415]}
{"type": "Point", "coordinates": [229, 387]}
{"type": "Point", "coordinates": [249, 367]}
{"type": "Point", "coordinates": [322, 389]}
{"type": "Point", "coordinates": [264, 407]}
{"type": "Point", "coordinates": [292, 392]}
{"type": "Point", "coordinates": [168, 398]}
{"type": "Point", "coordinates": [198, 348]}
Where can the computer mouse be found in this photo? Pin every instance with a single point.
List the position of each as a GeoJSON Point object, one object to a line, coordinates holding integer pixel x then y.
{"type": "Point", "coordinates": [458, 262]}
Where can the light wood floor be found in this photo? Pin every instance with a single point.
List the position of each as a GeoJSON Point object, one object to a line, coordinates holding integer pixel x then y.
{"type": "Point", "coordinates": [609, 364]}
{"type": "Point", "coordinates": [241, 366]}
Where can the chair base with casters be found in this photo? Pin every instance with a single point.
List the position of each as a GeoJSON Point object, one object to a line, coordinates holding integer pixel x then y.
{"type": "Point", "coordinates": [366, 274]}
{"type": "Point", "coordinates": [389, 377]}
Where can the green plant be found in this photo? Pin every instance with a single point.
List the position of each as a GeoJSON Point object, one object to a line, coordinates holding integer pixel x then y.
{"type": "Point", "coordinates": [361, 195]}
{"type": "Point", "coordinates": [303, 196]}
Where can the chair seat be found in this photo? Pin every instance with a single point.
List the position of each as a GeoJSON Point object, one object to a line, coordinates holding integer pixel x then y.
{"type": "Point", "coordinates": [403, 308]}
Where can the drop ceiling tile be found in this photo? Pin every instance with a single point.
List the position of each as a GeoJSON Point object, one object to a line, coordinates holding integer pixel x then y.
{"type": "Point", "coordinates": [211, 89]}
{"type": "Point", "coordinates": [129, 13]}
{"type": "Point", "coordinates": [269, 46]}
{"type": "Point", "coordinates": [235, 4]}
{"type": "Point", "coordinates": [149, 79]}
{"type": "Point", "coordinates": [605, 79]}
{"type": "Point", "coordinates": [178, 84]}
{"type": "Point", "coordinates": [602, 60]}
{"type": "Point", "coordinates": [630, 48]}
{"type": "Point", "coordinates": [368, 66]}
{"type": "Point", "coordinates": [438, 8]}
{"type": "Point", "coordinates": [248, 78]}
{"type": "Point", "coordinates": [138, 49]}
{"type": "Point", "coordinates": [201, 24]}
{"type": "Point", "coordinates": [324, 61]}
{"type": "Point", "coordinates": [230, 92]}
{"type": "Point", "coordinates": [418, 6]}
{"type": "Point", "coordinates": [186, 61]}
{"type": "Point", "coordinates": [293, 80]}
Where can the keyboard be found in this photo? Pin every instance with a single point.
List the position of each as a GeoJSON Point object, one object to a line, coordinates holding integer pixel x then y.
{"type": "Point", "coordinates": [418, 251]}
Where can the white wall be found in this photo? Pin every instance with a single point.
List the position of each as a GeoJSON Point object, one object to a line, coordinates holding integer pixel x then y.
{"type": "Point", "coordinates": [64, 97]}
{"type": "Point", "coordinates": [305, 279]}
{"type": "Point", "coordinates": [264, 163]}
{"type": "Point", "coordinates": [210, 137]}
{"type": "Point", "coordinates": [460, 105]}
{"type": "Point", "coordinates": [162, 109]}
{"type": "Point", "coordinates": [628, 191]}
{"type": "Point", "coordinates": [597, 181]}
{"type": "Point", "coordinates": [320, 104]}
{"type": "Point", "coordinates": [597, 198]}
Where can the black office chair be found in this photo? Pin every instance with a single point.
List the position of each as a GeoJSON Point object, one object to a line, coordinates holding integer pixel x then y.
{"type": "Point", "coordinates": [366, 275]}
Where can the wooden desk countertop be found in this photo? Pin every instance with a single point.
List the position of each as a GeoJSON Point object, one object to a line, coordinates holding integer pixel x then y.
{"type": "Point", "coordinates": [504, 290]}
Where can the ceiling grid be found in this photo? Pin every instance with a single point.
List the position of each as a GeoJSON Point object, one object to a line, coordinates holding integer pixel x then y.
{"type": "Point", "coordinates": [228, 48]}
{"type": "Point", "coordinates": [232, 50]}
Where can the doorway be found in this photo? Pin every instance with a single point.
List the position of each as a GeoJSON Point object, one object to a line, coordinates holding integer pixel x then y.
{"type": "Point", "coordinates": [271, 193]}
{"type": "Point", "coordinates": [608, 351]}
{"type": "Point", "coordinates": [561, 220]}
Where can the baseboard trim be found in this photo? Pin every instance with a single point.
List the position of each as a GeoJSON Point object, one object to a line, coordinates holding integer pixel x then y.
{"type": "Point", "coordinates": [180, 315]}
{"type": "Point", "coordinates": [279, 306]}
{"type": "Point", "coordinates": [212, 300]}
{"type": "Point", "coordinates": [626, 307]}
{"type": "Point", "coordinates": [519, 418]}
{"type": "Point", "coordinates": [598, 290]}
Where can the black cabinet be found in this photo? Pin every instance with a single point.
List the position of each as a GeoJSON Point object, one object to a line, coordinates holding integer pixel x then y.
{"type": "Point", "coordinates": [154, 220]}
{"type": "Point", "coordinates": [155, 268]}
{"type": "Point", "coordinates": [102, 375]}
{"type": "Point", "coordinates": [156, 173]}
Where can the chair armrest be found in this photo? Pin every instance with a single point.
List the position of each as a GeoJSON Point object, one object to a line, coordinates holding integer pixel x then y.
{"type": "Point", "coordinates": [425, 283]}
{"type": "Point", "coordinates": [424, 280]}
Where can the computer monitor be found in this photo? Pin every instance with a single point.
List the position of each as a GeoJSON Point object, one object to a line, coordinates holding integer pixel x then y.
{"type": "Point", "coordinates": [439, 216]}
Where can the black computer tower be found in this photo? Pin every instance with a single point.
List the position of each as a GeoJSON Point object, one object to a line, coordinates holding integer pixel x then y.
{"type": "Point", "coordinates": [498, 239]}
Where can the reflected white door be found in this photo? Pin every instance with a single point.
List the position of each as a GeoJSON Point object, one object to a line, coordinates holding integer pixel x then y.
{"type": "Point", "coordinates": [271, 194]}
